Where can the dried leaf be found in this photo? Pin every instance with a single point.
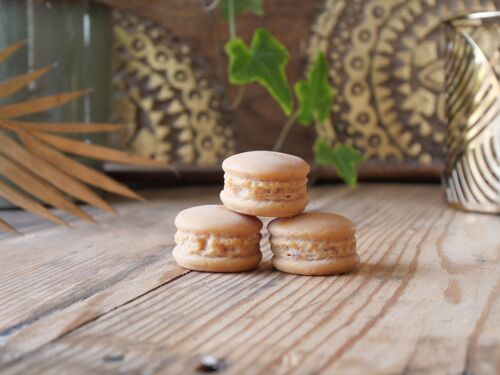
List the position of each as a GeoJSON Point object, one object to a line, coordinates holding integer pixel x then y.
{"type": "Point", "coordinates": [39, 104]}
{"type": "Point", "coordinates": [7, 228]}
{"type": "Point", "coordinates": [22, 200]}
{"type": "Point", "coordinates": [39, 171]}
{"type": "Point", "coordinates": [51, 174]}
{"type": "Point", "coordinates": [10, 50]}
{"type": "Point", "coordinates": [15, 84]}
{"type": "Point", "coordinates": [38, 188]}
{"type": "Point", "coordinates": [94, 151]}
{"type": "Point", "coordinates": [75, 169]}
{"type": "Point", "coordinates": [60, 127]}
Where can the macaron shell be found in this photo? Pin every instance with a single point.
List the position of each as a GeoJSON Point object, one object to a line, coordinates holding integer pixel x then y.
{"type": "Point", "coordinates": [216, 219]}
{"type": "Point", "coordinates": [266, 165]}
{"type": "Point", "coordinates": [207, 264]}
{"type": "Point", "coordinates": [268, 208]}
{"type": "Point", "coordinates": [313, 225]}
{"type": "Point", "coordinates": [322, 267]}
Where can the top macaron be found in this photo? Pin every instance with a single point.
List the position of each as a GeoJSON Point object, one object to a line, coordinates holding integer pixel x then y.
{"type": "Point", "coordinates": [265, 183]}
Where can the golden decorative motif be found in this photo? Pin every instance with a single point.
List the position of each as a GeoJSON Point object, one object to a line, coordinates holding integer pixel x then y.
{"type": "Point", "coordinates": [386, 63]}
{"type": "Point", "coordinates": [472, 175]}
{"type": "Point", "coordinates": [172, 109]}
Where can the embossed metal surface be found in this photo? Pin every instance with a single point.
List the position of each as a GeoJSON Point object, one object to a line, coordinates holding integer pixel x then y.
{"type": "Point", "coordinates": [173, 110]}
{"type": "Point", "coordinates": [386, 59]}
{"type": "Point", "coordinates": [472, 176]}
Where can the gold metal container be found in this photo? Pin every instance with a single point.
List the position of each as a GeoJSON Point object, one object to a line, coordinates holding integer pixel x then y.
{"type": "Point", "coordinates": [472, 173]}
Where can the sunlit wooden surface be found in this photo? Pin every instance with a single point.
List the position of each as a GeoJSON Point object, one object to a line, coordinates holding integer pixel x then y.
{"type": "Point", "coordinates": [107, 298]}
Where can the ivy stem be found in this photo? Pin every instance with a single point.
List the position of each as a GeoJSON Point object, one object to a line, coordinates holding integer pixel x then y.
{"type": "Point", "coordinates": [285, 130]}
{"type": "Point", "coordinates": [232, 19]}
{"type": "Point", "coordinates": [239, 98]}
{"type": "Point", "coordinates": [211, 7]}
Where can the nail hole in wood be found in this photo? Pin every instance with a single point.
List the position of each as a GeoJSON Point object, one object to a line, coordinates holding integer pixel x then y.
{"type": "Point", "coordinates": [210, 363]}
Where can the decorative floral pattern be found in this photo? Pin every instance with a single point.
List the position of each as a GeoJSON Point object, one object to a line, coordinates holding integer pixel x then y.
{"type": "Point", "coordinates": [173, 110]}
{"type": "Point", "coordinates": [386, 63]}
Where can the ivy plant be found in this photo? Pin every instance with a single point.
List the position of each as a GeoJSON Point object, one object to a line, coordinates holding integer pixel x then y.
{"type": "Point", "coordinates": [264, 62]}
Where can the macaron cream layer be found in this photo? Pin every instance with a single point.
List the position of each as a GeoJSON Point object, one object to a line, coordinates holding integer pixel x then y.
{"type": "Point", "coordinates": [250, 188]}
{"type": "Point", "coordinates": [311, 249]}
{"type": "Point", "coordinates": [212, 245]}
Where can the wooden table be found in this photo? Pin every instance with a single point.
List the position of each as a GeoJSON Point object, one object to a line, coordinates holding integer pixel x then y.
{"type": "Point", "coordinates": [108, 298]}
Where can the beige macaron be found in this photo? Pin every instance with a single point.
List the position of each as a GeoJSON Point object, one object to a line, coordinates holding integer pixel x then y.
{"type": "Point", "coordinates": [265, 183]}
{"type": "Point", "coordinates": [313, 243]}
{"type": "Point", "coordinates": [214, 239]}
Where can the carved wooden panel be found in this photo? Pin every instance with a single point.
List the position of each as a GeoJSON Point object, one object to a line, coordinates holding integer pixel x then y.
{"type": "Point", "coordinates": [174, 111]}
{"type": "Point", "coordinates": [386, 64]}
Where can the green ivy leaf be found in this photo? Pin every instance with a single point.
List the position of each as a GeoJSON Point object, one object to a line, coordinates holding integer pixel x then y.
{"type": "Point", "coordinates": [315, 94]}
{"type": "Point", "coordinates": [343, 158]}
{"type": "Point", "coordinates": [242, 6]}
{"type": "Point", "coordinates": [264, 62]}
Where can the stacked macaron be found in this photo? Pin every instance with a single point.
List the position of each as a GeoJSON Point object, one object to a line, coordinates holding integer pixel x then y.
{"type": "Point", "coordinates": [226, 238]}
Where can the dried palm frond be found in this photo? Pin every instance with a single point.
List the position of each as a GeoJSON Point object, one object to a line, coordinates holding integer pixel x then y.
{"type": "Point", "coordinates": [34, 162]}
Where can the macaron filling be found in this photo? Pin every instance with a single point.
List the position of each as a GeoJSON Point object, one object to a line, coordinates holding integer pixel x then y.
{"type": "Point", "coordinates": [310, 250]}
{"type": "Point", "coordinates": [213, 245]}
{"type": "Point", "coordinates": [258, 189]}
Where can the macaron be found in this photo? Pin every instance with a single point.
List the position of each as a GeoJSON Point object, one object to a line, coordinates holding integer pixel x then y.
{"type": "Point", "coordinates": [214, 239]}
{"type": "Point", "coordinates": [265, 183]}
{"type": "Point", "coordinates": [313, 243]}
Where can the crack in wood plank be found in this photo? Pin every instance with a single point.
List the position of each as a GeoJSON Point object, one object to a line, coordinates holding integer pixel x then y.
{"type": "Point", "coordinates": [478, 329]}
{"type": "Point", "coordinates": [451, 267]}
{"type": "Point", "coordinates": [30, 336]}
{"type": "Point", "coordinates": [9, 331]}
{"type": "Point", "coordinates": [391, 302]}
{"type": "Point", "coordinates": [341, 305]}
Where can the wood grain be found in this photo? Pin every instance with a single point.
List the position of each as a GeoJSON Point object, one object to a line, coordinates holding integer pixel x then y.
{"type": "Point", "coordinates": [109, 300]}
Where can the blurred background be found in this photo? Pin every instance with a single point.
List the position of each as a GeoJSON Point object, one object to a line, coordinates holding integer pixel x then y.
{"type": "Point", "coordinates": [160, 68]}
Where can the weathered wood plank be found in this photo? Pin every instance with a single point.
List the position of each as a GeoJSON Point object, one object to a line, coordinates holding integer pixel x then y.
{"type": "Point", "coordinates": [425, 300]}
{"type": "Point", "coordinates": [55, 280]}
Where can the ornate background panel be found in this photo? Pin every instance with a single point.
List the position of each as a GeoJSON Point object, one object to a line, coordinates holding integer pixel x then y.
{"type": "Point", "coordinates": [166, 96]}
{"type": "Point", "coordinates": [386, 63]}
